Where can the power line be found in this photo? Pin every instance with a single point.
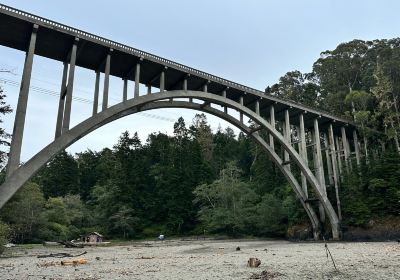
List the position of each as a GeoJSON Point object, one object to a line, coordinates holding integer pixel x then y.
{"type": "Point", "coordinates": [77, 98]}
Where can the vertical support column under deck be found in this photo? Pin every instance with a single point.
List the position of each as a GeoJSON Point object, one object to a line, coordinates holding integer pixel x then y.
{"type": "Point", "coordinates": [272, 119]}
{"type": "Point", "coordinates": [70, 87]}
{"type": "Point", "coordinates": [137, 79]}
{"type": "Point", "coordinates": [148, 89]}
{"type": "Point", "coordinates": [356, 148]}
{"type": "Point", "coordinates": [339, 156]}
{"type": "Point", "coordinates": [184, 85]}
{"type": "Point", "coordinates": [61, 102]}
{"type": "Point", "coordinates": [125, 91]}
{"type": "Point", "coordinates": [257, 107]}
{"type": "Point", "coordinates": [241, 103]}
{"type": "Point", "coordinates": [96, 93]}
{"type": "Point", "coordinates": [319, 167]}
{"type": "Point", "coordinates": [19, 123]}
{"type": "Point", "coordinates": [224, 95]}
{"type": "Point", "coordinates": [106, 81]}
{"type": "Point", "coordinates": [162, 81]}
{"type": "Point", "coordinates": [303, 153]}
{"type": "Point", "coordinates": [205, 87]}
{"type": "Point", "coordinates": [335, 170]}
{"type": "Point", "coordinates": [328, 159]}
{"type": "Point", "coordinates": [287, 136]}
{"type": "Point", "coordinates": [345, 149]}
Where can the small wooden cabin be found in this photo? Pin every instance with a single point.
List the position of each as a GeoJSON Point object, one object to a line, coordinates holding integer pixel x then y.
{"type": "Point", "coordinates": [93, 237]}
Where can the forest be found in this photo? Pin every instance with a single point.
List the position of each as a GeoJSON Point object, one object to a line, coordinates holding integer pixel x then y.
{"type": "Point", "coordinates": [198, 181]}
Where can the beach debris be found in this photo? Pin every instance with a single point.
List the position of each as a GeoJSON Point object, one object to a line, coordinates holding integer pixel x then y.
{"type": "Point", "coordinates": [97, 258]}
{"type": "Point", "coordinates": [145, 258]}
{"type": "Point", "coordinates": [265, 275]}
{"type": "Point", "coordinates": [237, 248]}
{"type": "Point", "coordinates": [9, 245]}
{"type": "Point", "coordinates": [69, 244]}
{"type": "Point", "coordinates": [253, 262]}
{"type": "Point", "coordinates": [328, 253]}
{"type": "Point", "coordinates": [74, 262]}
{"type": "Point", "coordinates": [60, 255]}
{"type": "Point", "coordinates": [161, 237]}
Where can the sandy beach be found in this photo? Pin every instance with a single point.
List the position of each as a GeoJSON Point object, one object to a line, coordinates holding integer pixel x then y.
{"type": "Point", "coordinates": [207, 259]}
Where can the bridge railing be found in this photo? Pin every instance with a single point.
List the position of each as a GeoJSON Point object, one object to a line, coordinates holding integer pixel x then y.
{"type": "Point", "coordinates": [112, 44]}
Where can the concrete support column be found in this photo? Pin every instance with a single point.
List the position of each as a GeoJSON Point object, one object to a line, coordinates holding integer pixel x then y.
{"type": "Point", "coordinates": [356, 148]}
{"type": "Point", "coordinates": [303, 153]}
{"type": "Point", "coordinates": [125, 91]}
{"type": "Point", "coordinates": [319, 167]}
{"type": "Point", "coordinates": [96, 93]}
{"type": "Point", "coordinates": [106, 81]}
{"type": "Point", "coordinates": [345, 149]}
{"type": "Point", "coordinates": [184, 85]}
{"type": "Point", "coordinates": [19, 123]}
{"type": "Point", "coordinates": [137, 79]}
{"type": "Point", "coordinates": [224, 95]}
{"type": "Point", "coordinates": [257, 107]}
{"type": "Point", "coordinates": [162, 81]}
{"type": "Point", "coordinates": [328, 159]}
{"type": "Point", "coordinates": [70, 87]}
{"type": "Point", "coordinates": [61, 102]}
{"type": "Point", "coordinates": [287, 136]}
{"type": "Point", "coordinates": [205, 87]}
{"type": "Point", "coordinates": [335, 170]}
{"type": "Point", "coordinates": [272, 119]}
{"type": "Point", "coordinates": [148, 89]}
{"type": "Point", "coordinates": [241, 103]}
{"type": "Point", "coordinates": [339, 156]}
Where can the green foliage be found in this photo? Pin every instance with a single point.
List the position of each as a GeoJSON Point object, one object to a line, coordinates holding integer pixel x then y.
{"type": "Point", "coordinates": [59, 178]}
{"type": "Point", "coordinates": [4, 136]}
{"type": "Point", "coordinates": [4, 235]}
{"type": "Point", "coordinates": [23, 213]}
{"type": "Point", "coordinates": [230, 206]}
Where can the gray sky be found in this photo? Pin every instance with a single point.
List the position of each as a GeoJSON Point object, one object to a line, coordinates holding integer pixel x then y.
{"type": "Point", "coordinates": [252, 42]}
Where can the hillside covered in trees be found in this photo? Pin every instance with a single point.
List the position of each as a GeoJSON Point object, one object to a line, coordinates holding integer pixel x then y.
{"type": "Point", "coordinates": [198, 181]}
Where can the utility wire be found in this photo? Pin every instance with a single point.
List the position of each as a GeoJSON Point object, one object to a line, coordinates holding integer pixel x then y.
{"type": "Point", "coordinates": [77, 98]}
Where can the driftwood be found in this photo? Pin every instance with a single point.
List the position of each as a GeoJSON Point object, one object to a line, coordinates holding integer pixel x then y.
{"type": "Point", "coordinates": [60, 255]}
{"type": "Point", "coordinates": [253, 262]}
{"type": "Point", "coordinates": [74, 262]}
{"type": "Point", "coordinates": [69, 244]}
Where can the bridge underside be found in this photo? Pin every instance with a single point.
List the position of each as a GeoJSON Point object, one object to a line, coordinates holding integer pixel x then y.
{"type": "Point", "coordinates": [289, 133]}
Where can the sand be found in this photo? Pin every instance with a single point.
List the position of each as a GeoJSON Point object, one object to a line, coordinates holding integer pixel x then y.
{"type": "Point", "coordinates": [207, 259]}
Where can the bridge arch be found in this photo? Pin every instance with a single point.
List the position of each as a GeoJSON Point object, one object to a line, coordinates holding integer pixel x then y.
{"type": "Point", "coordinates": [166, 100]}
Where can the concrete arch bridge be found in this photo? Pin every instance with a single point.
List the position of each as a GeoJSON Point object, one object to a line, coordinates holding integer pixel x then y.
{"type": "Point", "coordinates": [290, 133]}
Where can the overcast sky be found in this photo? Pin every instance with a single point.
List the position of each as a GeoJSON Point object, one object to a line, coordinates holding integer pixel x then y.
{"type": "Point", "coordinates": [252, 42]}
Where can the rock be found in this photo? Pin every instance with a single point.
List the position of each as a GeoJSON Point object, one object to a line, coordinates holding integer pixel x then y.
{"type": "Point", "coordinates": [253, 262]}
{"type": "Point", "coordinates": [237, 248]}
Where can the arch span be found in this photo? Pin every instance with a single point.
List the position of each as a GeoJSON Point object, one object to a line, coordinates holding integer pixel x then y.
{"type": "Point", "coordinates": [156, 100]}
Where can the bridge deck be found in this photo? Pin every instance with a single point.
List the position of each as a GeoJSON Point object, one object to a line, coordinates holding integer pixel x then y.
{"type": "Point", "coordinates": [54, 41]}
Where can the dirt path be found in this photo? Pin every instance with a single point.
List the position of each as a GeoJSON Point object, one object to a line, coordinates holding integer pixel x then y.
{"type": "Point", "coordinates": [209, 260]}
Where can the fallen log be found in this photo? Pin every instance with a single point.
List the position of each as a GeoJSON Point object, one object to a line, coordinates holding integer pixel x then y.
{"type": "Point", "coordinates": [69, 244]}
{"type": "Point", "coordinates": [60, 255]}
{"type": "Point", "coordinates": [74, 262]}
